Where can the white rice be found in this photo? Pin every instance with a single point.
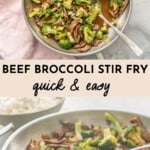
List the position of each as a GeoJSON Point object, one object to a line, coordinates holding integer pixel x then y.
{"type": "Point", "coordinates": [25, 105]}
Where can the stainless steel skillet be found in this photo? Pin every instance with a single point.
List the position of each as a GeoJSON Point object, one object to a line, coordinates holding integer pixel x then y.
{"type": "Point", "coordinates": [53, 45]}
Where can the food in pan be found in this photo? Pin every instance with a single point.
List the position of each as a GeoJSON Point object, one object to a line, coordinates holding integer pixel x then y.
{"type": "Point", "coordinates": [25, 105]}
{"type": "Point", "coordinates": [75, 23]}
{"type": "Point", "coordinates": [80, 136]}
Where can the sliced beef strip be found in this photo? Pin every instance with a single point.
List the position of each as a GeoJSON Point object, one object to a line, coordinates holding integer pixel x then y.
{"type": "Point", "coordinates": [66, 125]}
{"type": "Point", "coordinates": [73, 24]}
{"type": "Point", "coordinates": [38, 22]}
{"type": "Point", "coordinates": [145, 133]}
{"type": "Point", "coordinates": [80, 45]}
{"type": "Point", "coordinates": [114, 13]}
{"type": "Point", "coordinates": [96, 42]}
{"type": "Point", "coordinates": [59, 134]}
{"type": "Point", "coordinates": [34, 145]}
{"type": "Point", "coordinates": [54, 141]}
{"type": "Point", "coordinates": [84, 49]}
{"type": "Point", "coordinates": [76, 33]}
{"type": "Point", "coordinates": [65, 13]}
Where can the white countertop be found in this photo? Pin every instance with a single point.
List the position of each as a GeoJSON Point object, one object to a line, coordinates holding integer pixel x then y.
{"type": "Point", "coordinates": [136, 105]}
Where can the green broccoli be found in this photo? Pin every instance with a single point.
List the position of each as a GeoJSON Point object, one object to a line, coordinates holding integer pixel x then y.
{"type": "Point", "coordinates": [65, 43]}
{"type": "Point", "coordinates": [114, 121]}
{"type": "Point", "coordinates": [131, 136]}
{"type": "Point", "coordinates": [47, 30]}
{"type": "Point", "coordinates": [99, 35]}
{"type": "Point", "coordinates": [60, 35]}
{"type": "Point", "coordinates": [67, 4]}
{"type": "Point", "coordinates": [94, 142]}
{"type": "Point", "coordinates": [37, 1]}
{"type": "Point", "coordinates": [78, 2]}
{"type": "Point", "coordinates": [89, 35]}
{"type": "Point", "coordinates": [126, 142]}
{"type": "Point", "coordinates": [86, 25]}
{"type": "Point", "coordinates": [57, 31]}
{"type": "Point", "coordinates": [93, 15]}
{"type": "Point", "coordinates": [115, 4]}
{"type": "Point", "coordinates": [120, 2]}
{"type": "Point", "coordinates": [109, 141]}
{"type": "Point", "coordinates": [36, 12]}
{"type": "Point", "coordinates": [85, 146]}
{"type": "Point", "coordinates": [81, 12]}
{"type": "Point", "coordinates": [82, 132]}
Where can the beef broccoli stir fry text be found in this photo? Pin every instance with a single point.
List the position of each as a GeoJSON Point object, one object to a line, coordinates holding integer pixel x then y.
{"type": "Point", "coordinates": [73, 22]}
{"type": "Point", "coordinates": [78, 136]}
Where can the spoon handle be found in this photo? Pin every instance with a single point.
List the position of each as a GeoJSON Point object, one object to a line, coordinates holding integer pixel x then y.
{"type": "Point", "coordinates": [6, 129]}
{"type": "Point", "coordinates": [141, 147]}
{"type": "Point", "coordinates": [128, 41]}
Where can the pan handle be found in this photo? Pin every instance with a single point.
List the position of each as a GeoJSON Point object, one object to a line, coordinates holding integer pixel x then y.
{"type": "Point", "coordinates": [6, 129]}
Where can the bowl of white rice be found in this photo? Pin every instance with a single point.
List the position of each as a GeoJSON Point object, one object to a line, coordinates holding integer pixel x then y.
{"type": "Point", "coordinates": [22, 110]}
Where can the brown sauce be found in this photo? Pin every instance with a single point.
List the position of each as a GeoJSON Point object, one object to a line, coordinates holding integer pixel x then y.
{"type": "Point", "coordinates": [105, 10]}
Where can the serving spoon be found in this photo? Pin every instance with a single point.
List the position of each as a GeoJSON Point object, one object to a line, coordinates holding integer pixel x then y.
{"type": "Point", "coordinates": [141, 147]}
{"type": "Point", "coordinates": [128, 41]}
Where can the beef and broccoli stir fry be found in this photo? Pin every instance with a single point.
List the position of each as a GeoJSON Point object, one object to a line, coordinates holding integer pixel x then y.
{"type": "Point", "coordinates": [72, 23]}
{"type": "Point", "coordinates": [79, 136]}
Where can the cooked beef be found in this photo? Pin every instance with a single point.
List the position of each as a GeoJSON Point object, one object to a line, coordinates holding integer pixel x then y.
{"type": "Point", "coordinates": [145, 133]}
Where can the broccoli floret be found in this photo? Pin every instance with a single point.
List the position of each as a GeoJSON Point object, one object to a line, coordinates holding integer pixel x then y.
{"type": "Point", "coordinates": [36, 12]}
{"type": "Point", "coordinates": [85, 146]}
{"type": "Point", "coordinates": [57, 31]}
{"type": "Point", "coordinates": [78, 2]}
{"type": "Point", "coordinates": [114, 121]}
{"type": "Point", "coordinates": [120, 2]}
{"type": "Point", "coordinates": [126, 142]}
{"type": "Point", "coordinates": [37, 1]}
{"type": "Point", "coordinates": [82, 132]}
{"type": "Point", "coordinates": [65, 43]}
{"type": "Point", "coordinates": [94, 142]}
{"type": "Point", "coordinates": [131, 136]}
{"type": "Point", "coordinates": [85, 25]}
{"type": "Point", "coordinates": [99, 35]}
{"type": "Point", "coordinates": [115, 4]}
{"type": "Point", "coordinates": [47, 30]}
{"type": "Point", "coordinates": [59, 28]}
{"type": "Point", "coordinates": [81, 12]}
{"type": "Point", "coordinates": [109, 141]}
{"type": "Point", "coordinates": [60, 35]}
{"type": "Point", "coordinates": [89, 35]}
{"type": "Point", "coordinates": [67, 4]}
{"type": "Point", "coordinates": [94, 13]}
